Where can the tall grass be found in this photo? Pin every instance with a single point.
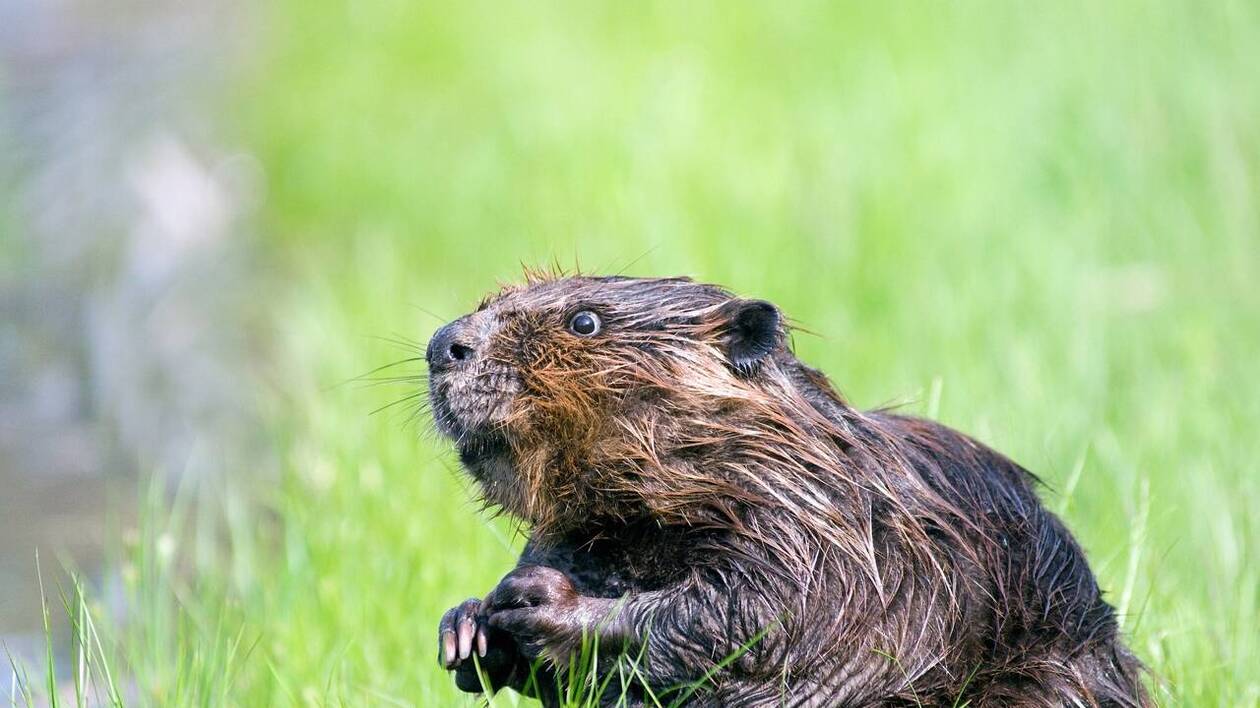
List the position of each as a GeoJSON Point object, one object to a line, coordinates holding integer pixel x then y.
{"type": "Point", "coordinates": [1037, 222]}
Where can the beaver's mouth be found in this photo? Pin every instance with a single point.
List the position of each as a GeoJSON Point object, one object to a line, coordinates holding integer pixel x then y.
{"type": "Point", "coordinates": [462, 414]}
{"type": "Point", "coordinates": [480, 447]}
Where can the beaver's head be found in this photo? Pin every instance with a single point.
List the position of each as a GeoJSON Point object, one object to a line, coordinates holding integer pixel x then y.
{"type": "Point", "coordinates": [581, 398]}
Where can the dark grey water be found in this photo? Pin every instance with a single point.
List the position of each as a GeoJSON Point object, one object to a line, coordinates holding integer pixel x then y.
{"type": "Point", "coordinates": [124, 261]}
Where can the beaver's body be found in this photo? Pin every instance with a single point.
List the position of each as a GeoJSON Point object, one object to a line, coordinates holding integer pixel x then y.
{"type": "Point", "coordinates": [698, 494]}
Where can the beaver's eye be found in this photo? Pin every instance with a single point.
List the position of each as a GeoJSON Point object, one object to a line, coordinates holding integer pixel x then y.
{"type": "Point", "coordinates": [584, 323]}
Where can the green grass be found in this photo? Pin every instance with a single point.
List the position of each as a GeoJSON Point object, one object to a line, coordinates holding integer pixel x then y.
{"type": "Point", "coordinates": [1037, 222]}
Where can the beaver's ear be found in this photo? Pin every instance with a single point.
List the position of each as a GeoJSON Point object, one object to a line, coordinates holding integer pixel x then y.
{"type": "Point", "coordinates": [752, 331]}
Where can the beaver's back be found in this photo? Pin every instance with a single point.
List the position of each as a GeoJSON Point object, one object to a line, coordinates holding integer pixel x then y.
{"type": "Point", "coordinates": [1042, 616]}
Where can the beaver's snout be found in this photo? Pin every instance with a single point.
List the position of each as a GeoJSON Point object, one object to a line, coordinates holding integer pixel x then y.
{"type": "Point", "coordinates": [450, 346]}
{"type": "Point", "coordinates": [470, 388]}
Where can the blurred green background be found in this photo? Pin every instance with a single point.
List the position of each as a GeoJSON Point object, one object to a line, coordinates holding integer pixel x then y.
{"type": "Point", "coordinates": [1036, 222]}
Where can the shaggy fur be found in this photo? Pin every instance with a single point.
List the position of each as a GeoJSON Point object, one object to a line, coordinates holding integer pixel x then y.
{"type": "Point", "coordinates": [691, 487]}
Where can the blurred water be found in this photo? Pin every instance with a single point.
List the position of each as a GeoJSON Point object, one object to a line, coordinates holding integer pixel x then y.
{"type": "Point", "coordinates": [124, 266]}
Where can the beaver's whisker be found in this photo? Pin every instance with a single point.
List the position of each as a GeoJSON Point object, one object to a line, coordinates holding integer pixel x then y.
{"type": "Point", "coordinates": [400, 401]}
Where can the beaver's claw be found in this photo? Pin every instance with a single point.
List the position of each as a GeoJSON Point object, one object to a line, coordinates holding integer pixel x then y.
{"type": "Point", "coordinates": [462, 631]}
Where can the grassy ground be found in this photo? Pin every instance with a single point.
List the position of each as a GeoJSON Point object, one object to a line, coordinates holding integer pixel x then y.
{"type": "Point", "coordinates": [1036, 222]}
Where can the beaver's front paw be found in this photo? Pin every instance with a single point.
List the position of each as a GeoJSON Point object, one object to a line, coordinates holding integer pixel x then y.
{"type": "Point", "coordinates": [462, 630]}
{"type": "Point", "coordinates": [542, 610]}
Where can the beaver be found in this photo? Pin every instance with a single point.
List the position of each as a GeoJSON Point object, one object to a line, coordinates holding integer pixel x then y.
{"type": "Point", "coordinates": [728, 531]}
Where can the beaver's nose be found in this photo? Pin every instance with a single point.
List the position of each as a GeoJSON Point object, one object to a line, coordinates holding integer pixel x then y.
{"type": "Point", "coordinates": [448, 349]}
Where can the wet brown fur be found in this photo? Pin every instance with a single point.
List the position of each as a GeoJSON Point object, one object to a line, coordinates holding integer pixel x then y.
{"type": "Point", "coordinates": [891, 560]}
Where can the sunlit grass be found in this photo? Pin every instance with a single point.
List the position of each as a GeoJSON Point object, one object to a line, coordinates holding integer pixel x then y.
{"type": "Point", "coordinates": [1038, 223]}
